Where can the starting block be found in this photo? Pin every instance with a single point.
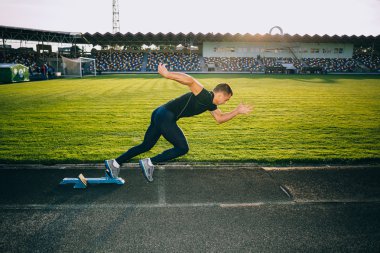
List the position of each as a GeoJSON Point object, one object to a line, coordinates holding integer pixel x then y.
{"type": "Point", "coordinates": [82, 182]}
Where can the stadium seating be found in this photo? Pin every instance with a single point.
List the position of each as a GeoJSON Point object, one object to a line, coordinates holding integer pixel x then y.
{"type": "Point", "coordinates": [235, 64]}
{"type": "Point", "coordinates": [372, 62]}
{"type": "Point", "coordinates": [28, 59]}
{"type": "Point", "coordinates": [333, 64]}
{"type": "Point", "coordinates": [174, 61]}
{"type": "Point", "coordinates": [118, 61]}
{"type": "Point", "coordinates": [123, 61]}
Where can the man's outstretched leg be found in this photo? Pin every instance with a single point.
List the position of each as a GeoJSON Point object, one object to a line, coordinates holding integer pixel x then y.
{"type": "Point", "coordinates": [173, 134]}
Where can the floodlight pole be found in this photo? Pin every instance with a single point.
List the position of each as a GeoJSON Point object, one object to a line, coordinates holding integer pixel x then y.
{"type": "Point", "coordinates": [57, 70]}
{"type": "Point", "coordinates": [115, 16]}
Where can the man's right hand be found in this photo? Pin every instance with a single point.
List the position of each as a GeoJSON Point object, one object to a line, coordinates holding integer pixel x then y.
{"type": "Point", "coordinates": [195, 86]}
{"type": "Point", "coordinates": [163, 71]}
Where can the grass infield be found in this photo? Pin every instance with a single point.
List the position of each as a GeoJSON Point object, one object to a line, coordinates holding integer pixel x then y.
{"type": "Point", "coordinates": [297, 119]}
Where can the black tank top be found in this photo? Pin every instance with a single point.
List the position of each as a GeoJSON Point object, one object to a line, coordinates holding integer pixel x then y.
{"type": "Point", "coordinates": [189, 105]}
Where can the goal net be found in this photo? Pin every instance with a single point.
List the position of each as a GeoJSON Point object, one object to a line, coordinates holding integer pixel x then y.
{"type": "Point", "coordinates": [78, 67]}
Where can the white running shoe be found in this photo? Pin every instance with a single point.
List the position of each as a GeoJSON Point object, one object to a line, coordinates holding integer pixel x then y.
{"type": "Point", "coordinates": [148, 168]}
{"type": "Point", "coordinates": [111, 170]}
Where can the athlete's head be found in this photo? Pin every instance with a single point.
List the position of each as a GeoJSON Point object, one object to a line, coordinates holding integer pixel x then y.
{"type": "Point", "coordinates": [222, 93]}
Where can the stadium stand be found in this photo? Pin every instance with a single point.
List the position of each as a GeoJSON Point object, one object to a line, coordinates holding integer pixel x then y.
{"type": "Point", "coordinates": [372, 62]}
{"type": "Point", "coordinates": [38, 67]}
{"type": "Point", "coordinates": [235, 64]}
{"type": "Point", "coordinates": [117, 61]}
{"type": "Point", "coordinates": [333, 64]}
{"type": "Point", "coordinates": [175, 61]}
{"type": "Point", "coordinates": [123, 61]}
{"type": "Point", "coordinates": [28, 59]}
{"type": "Point", "coordinates": [278, 61]}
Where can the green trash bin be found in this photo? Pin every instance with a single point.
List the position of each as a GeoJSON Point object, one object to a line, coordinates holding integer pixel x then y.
{"type": "Point", "coordinates": [12, 73]}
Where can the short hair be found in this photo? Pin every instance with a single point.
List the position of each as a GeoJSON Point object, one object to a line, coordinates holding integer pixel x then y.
{"type": "Point", "coordinates": [223, 87]}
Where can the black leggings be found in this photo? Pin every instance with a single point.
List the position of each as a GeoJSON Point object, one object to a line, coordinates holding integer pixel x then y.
{"type": "Point", "coordinates": [163, 122]}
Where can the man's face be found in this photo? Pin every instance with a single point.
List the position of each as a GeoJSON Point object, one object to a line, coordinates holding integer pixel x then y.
{"type": "Point", "coordinates": [221, 98]}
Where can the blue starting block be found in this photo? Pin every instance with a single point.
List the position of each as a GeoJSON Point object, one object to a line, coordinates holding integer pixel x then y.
{"type": "Point", "coordinates": [82, 182]}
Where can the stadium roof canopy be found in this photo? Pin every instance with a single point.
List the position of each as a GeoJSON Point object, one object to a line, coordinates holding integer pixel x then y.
{"type": "Point", "coordinates": [26, 34]}
{"type": "Point", "coordinates": [199, 38]}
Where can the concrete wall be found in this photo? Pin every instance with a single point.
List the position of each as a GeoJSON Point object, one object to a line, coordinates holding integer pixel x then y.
{"type": "Point", "coordinates": [277, 49]}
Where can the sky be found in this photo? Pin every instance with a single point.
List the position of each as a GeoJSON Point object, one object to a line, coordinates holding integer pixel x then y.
{"type": "Point", "coordinates": [340, 17]}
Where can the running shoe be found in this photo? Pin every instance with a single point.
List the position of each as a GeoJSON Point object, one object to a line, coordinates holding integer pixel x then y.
{"type": "Point", "coordinates": [111, 170]}
{"type": "Point", "coordinates": [147, 168]}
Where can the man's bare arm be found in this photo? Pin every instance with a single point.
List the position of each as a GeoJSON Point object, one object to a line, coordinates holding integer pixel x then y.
{"type": "Point", "coordinates": [221, 117]}
{"type": "Point", "coordinates": [195, 86]}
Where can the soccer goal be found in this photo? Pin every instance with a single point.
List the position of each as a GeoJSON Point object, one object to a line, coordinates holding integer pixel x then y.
{"type": "Point", "coordinates": [78, 67]}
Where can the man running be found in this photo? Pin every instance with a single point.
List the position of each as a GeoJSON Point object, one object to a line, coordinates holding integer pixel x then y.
{"type": "Point", "coordinates": [164, 121]}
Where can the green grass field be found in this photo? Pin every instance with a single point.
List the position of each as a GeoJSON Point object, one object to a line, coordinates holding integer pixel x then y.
{"type": "Point", "coordinates": [297, 119]}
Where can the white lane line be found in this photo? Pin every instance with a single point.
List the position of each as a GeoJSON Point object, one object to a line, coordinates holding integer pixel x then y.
{"type": "Point", "coordinates": [180, 205]}
{"type": "Point", "coordinates": [103, 206]}
{"type": "Point", "coordinates": [242, 204]}
{"type": "Point", "coordinates": [320, 167]}
{"type": "Point", "coordinates": [336, 201]}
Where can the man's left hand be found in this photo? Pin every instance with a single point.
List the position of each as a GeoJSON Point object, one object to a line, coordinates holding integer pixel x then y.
{"type": "Point", "coordinates": [244, 109]}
